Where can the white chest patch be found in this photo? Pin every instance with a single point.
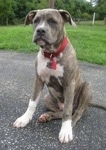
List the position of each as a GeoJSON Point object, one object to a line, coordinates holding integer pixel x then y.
{"type": "Point", "coordinates": [44, 72]}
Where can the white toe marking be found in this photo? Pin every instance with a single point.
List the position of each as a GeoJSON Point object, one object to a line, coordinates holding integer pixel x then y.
{"type": "Point", "coordinates": [65, 134]}
{"type": "Point", "coordinates": [27, 116]}
{"type": "Point", "coordinates": [22, 121]}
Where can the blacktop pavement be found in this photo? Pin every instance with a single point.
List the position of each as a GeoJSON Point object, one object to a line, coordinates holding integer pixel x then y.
{"type": "Point", "coordinates": [16, 80]}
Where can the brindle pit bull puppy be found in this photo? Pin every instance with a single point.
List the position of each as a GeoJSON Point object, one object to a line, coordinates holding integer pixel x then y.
{"type": "Point", "coordinates": [56, 66]}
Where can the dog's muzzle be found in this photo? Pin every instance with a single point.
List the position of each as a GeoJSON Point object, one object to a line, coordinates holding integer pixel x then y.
{"type": "Point", "coordinates": [41, 31]}
{"type": "Point", "coordinates": [40, 37]}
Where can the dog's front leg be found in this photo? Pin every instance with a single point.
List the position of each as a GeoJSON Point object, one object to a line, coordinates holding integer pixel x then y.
{"type": "Point", "coordinates": [27, 116]}
{"type": "Point", "coordinates": [65, 134]}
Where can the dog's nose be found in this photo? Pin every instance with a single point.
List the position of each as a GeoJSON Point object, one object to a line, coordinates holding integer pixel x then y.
{"type": "Point", "coordinates": [41, 31]}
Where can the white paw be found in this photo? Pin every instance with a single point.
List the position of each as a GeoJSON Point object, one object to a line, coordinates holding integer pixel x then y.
{"type": "Point", "coordinates": [65, 134]}
{"type": "Point", "coordinates": [22, 121]}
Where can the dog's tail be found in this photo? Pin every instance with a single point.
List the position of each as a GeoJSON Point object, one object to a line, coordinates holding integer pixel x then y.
{"type": "Point", "coordinates": [97, 106]}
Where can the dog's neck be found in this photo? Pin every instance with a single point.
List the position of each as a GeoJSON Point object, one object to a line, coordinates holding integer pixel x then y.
{"type": "Point", "coordinates": [52, 55]}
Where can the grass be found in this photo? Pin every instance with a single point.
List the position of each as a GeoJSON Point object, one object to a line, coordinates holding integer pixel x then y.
{"type": "Point", "coordinates": [17, 38]}
{"type": "Point", "coordinates": [89, 41]}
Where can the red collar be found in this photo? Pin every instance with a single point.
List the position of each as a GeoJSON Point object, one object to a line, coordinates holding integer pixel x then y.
{"type": "Point", "coordinates": [51, 56]}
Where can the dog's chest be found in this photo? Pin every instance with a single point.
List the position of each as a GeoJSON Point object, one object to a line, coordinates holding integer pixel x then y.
{"type": "Point", "coordinates": [45, 72]}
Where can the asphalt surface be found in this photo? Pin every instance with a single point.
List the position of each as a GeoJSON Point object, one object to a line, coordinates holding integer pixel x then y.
{"type": "Point", "coordinates": [16, 79]}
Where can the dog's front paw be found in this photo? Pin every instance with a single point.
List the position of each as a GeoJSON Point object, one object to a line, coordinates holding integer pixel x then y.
{"type": "Point", "coordinates": [22, 121]}
{"type": "Point", "coordinates": [65, 134]}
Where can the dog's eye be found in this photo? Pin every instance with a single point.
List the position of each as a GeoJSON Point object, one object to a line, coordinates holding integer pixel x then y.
{"type": "Point", "coordinates": [36, 20]}
{"type": "Point", "coordinates": [52, 21]}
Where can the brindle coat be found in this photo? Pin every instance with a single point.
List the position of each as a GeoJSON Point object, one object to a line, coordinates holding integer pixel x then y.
{"type": "Point", "coordinates": [68, 95]}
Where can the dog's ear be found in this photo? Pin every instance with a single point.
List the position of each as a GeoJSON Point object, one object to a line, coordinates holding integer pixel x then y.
{"type": "Point", "coordinates": [67, 17]}
{"type": "Point", "coordinates": [30, 16]}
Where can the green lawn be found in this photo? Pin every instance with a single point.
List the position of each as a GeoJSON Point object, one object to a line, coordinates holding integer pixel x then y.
{"type": "Point", "coordinates": [89, 41]}
{"type": "Point", "coordinates": [17, 38]}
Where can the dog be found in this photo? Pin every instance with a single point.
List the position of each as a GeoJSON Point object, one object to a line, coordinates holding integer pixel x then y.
{"type": "Point", "coordinates": [56, 66]}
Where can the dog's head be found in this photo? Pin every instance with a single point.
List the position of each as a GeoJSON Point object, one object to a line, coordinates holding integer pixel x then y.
{"type": "Point", "coordinates": [48, 26]}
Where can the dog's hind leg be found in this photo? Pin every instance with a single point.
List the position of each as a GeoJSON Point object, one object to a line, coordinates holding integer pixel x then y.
{"type": "Point", "coordinates": [53, 110]}
{"type": "Point", "coordinates": [84, 98]}
{"type": "Point", "coordinates": [48, 116]}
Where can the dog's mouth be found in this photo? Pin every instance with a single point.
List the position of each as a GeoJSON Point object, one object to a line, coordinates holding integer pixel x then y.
{"type": "Point", "coordinates": [41, 41]}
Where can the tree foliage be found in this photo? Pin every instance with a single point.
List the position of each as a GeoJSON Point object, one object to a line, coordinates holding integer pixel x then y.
{"type": "Point", "coordinates": [100, 8]}
{"type": "Point", "coordinates": [14, 11]}
{"type": "Point", "coordinates": [7, 11]}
